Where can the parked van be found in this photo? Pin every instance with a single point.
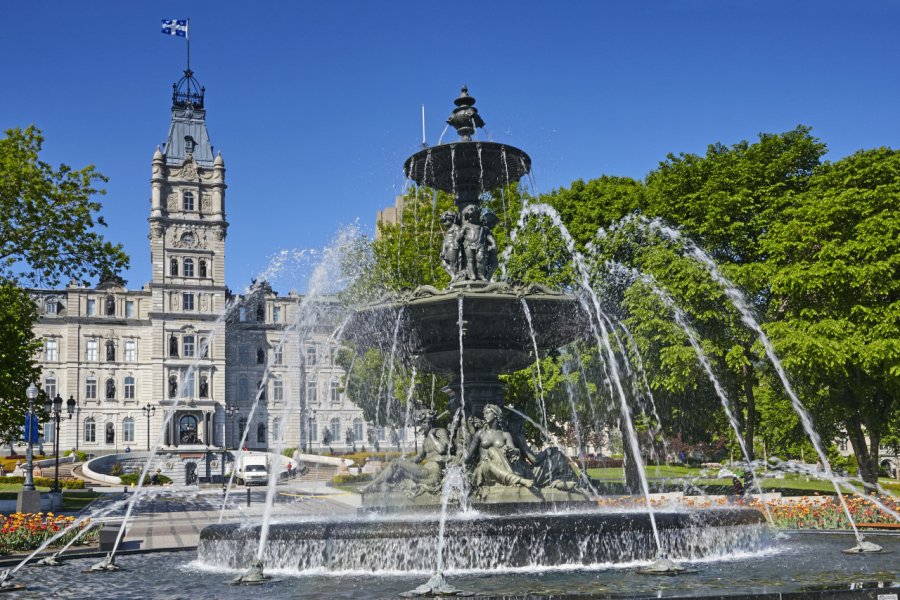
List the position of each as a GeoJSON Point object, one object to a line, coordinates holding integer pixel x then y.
{"type": "Point", "coordinates": [252, 470]}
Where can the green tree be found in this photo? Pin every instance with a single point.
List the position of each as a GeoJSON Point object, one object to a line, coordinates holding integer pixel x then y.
{"type": "Point", "coordinates": [48, 230]}
{"type": "Point", "coordinates": [47, 234]}
{"type": "Point", "coordinates": [834, 267]}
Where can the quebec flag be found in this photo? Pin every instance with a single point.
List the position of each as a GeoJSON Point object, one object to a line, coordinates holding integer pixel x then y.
{"type": "Point", "coordinates": [177, 27]}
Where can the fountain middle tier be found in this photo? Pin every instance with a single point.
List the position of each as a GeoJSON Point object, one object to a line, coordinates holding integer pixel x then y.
{"type": "Point", "coordinates": [496, 337]}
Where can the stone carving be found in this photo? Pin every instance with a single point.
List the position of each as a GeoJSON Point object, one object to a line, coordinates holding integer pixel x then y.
{"type": "Point", "coordinates": [471, 240]}
{"type": "Point", "coordinates": [496, 453]}
{"type": "Point", "coordinates": [424, 473]}
{"type": "Point", "coordinates": [450, 255]}
{"type": "Point", "coordinates": [203, 302]}
{"type": "Point", "coordinates": [188, 170]}
{"type": "Point", "coordinates": [172, 202]}
{"type": "Point", "coordinates": [173, 302]}
{"type": "Point", "coordinates": [205, 204]}
{"type": "Point", "coordinates": [158, 231]}
{"type": "Point", "coordinates": [190, 238]}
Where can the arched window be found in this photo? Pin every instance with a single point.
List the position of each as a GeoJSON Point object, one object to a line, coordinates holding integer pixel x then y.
{"type": "Point", "coordinates": [357, 429]}
{"type": "Point", "coordinates": [276, 429]}
{"type": "Point", "coordinates": [90, 430]}
{"type": "Point", "coordinates": [188, 198]}
{"type": "Point", "coordinates": [188, 267]}
{"type": "Point", "coordinates": [261, 433]}
{"type": "Point", "coordinates": [173, 267]}
{"type": "Point", "coordinates": [128, 389]}
{"type": "Point", "coordinates": [277, 389]}
{"type": "Point", "coordinates": [243, 390]}
{"type": "Point", "coordinates": [202, 268]}
{"type": "Point", "coordinates": [128, 430]}
{"type": "Point", "coordinates": [187, 430]}
{"type": "Point", "coordinates": [110, 388]}
{"type": "Point", "coordinates": [336, 429]}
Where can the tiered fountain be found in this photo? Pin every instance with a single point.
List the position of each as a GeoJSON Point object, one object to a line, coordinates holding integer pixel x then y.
{"type": "Point", "coordinates": [531, 508]}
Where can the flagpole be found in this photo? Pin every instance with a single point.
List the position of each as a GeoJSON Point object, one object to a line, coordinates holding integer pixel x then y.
{"type": "Point", "coordinates": [187, 35]}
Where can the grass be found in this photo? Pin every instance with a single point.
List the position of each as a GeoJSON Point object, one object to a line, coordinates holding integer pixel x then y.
{"type": "Point", "coordinates": [74, 502]}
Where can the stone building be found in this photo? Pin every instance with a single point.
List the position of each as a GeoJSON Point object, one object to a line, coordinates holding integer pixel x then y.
{"type": "Point", "coordinates": [131, 357]}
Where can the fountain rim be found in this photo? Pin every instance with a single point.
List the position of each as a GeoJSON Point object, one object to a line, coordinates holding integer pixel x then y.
{"type": "Point", "coordinates": [514, 169]}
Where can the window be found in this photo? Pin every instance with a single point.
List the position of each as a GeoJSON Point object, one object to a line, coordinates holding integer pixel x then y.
{"type": "Point", "coordinates": [276, 429]}
{"type": "Point", "coordinates": [90, 430]}
{"type": "Point", "coordinates": [130, 351]}
{"type": "Point", "coordinates": [357, 429]}
{"type": "Point", "coordinates": [50, 431]}
{"type": "Point", "coordinates": [188, 267]}
{"type": "Point", "coordinates": [276, 314]}
{"type": "Point", "coordinates": [335, 390]}
{"type": "Point", "coordinates": [128, 389]}
{"type": "Point", "coordinates": [312, 388]}
{"type": "Point", "coordinates": [313, 430]}
{"type": "Point", "coordinates": [51, 350]}
{"type": "Point", "coordinates": [261, 433]}
{"type": "Point", "coordinates": [243, 390]}
{"type": "Point", "coordinates": [202, 268]}
{"type": "Point", "coordinates": [188, 200]}
{"type": "Point", "coordinates": [278, 390]}
{"type": "Point", "coordinates": [242, 314]}
{"type": "Point", "coordinates": [129, 309]}
{"type": "Point", "coordinates": [188, 390]}
{"type": "Point", "coordinates": [110, 351]}
{"type": "Point", "coordinates": [91, 308]}
{"type": "Point", "coordinates": [242, 426]}
{"type": "Point", "coordinates": [128, 430]}
{"type": "Point", "coordinates": [381, 434]}
{"type": "Point", "coordinates": [173, 267]}
{"type": "Point", "coordinates": [50, 306]}
{"type": "Point", "coordinates": [336, 429]}
{"type": "Point", "coordinates": [110, 389]}
{"type": "Point", "coordinates": [188, 343]}
{"type": "Point", "coordinates": [187, 301]}
{"type": "Point", "coordinates": [50, 386]}
{"type": "Point", "coordinates": [91, 350]}
{"type": "Point", "coordinates": [311, 356]}
{"type": "Point", "coordinates": [90, 387]}
{"type": "Point", "coordinates": [278, 355]}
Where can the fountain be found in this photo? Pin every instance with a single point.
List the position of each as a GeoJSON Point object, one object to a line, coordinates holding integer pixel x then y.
{"type": "Point", "coordinates": [529, 507]}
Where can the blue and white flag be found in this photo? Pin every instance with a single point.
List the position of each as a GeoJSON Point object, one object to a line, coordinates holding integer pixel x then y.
{"type": "Point", "coordinates": [177, 27]}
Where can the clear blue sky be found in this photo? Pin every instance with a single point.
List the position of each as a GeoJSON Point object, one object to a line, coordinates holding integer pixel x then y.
{"type": "Point", "coordinates": [315, 105]}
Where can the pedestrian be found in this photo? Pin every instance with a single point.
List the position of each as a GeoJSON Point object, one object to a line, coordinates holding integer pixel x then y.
{"type": "Point", "coordinates": [289, 468]}
{"type": "Point", "coordinates": [156, 479]}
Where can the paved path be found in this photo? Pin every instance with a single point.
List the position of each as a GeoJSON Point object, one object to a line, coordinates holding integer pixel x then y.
{"type": "Point", "coordinates": [172, 517]}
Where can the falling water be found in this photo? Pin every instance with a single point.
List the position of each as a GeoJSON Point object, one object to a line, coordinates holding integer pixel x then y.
{"type": "Point", "coordinates": [740, 303]}
{"type": "Point", "coordinates": [441, 138]}
{"type": "Point", "coordinates": [455, 486]}
{"type": "Point", "coordinates": [409, 403]}
{"type": "Point", "coordinates": [570, 392]}
{"type": "Point", "coordinates": [537, 362]}
{"type": "Point", "coordinates": [390, 372]}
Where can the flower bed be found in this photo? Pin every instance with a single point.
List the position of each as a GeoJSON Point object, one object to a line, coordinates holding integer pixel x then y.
{"type": "Point", "coordinates": [817, 512]}
{"type": "Point", "coordinates": [21, 532]}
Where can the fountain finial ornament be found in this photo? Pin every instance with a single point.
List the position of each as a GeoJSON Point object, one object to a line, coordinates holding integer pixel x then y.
{"type": "Point", "coordinates": [465, 118]}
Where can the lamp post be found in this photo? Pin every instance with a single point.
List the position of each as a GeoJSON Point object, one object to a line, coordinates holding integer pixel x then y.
{"type": "Point", "coordinates": [29, 500]}
{"type": "Point", "coordinates": [231, 412]}
{"type": "Point", "coordinates": [148, 411]}
{"type": "Point", "coordinates": [309, 424]}
{"type": "Point", "coordinates": [54, 409]}
{"type": "Point", "coordinates": [31, 393]}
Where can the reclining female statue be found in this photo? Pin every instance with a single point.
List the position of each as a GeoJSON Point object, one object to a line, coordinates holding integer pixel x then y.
{"type": "Point", "coordinates": [496, 453]}
{"type": "Point", "coordinates": [424, 473]}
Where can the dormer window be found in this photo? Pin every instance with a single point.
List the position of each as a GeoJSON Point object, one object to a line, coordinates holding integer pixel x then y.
{"type": "Point", "coordinates": [50, 306]}
{"type": "Point", "coordinates": [188, 200]}
{"type": "Point", "coordinates": [189, 144]}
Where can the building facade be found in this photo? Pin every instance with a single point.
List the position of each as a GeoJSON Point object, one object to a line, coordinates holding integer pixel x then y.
{"type": "Point", "coordinates": [183, 346]}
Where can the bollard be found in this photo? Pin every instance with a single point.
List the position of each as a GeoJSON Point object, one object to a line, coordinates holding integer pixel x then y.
{"type": "Point", "coordinates": [248, 495]}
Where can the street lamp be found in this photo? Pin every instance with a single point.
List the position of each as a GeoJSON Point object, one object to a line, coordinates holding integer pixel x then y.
{"type": "Point", "coordinates": [231, 412]}
{"type": "Point", "coordinates": [148, 410]}
{"type": "Point", "coordinates": [54, 409]}
{"type": "Point", "coordinates": [31, 393]}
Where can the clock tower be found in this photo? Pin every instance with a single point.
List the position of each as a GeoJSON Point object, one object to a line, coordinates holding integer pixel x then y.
{"type": "Point", "coordinates": [187, 251]}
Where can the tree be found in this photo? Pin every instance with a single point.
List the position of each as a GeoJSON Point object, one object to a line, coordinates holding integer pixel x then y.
{"type": "Point", "coordinates": [47, 234]}
{"type": "Point", "coordinates": [834, 267]}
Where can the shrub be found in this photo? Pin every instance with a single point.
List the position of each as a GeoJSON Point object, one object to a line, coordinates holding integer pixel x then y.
{"type": "Point", "coordinates": [117, 469]}
{"type": "Point", "coordinates": [132, 479]}
{"type": "Point", "coordinates": [344, 478]}
{"type": "Point", "coordinates": [81, 456]}
{"type": "Point", "coordinates": [288, 452]}
{"type": "Point", "coordinates": [69, 484]}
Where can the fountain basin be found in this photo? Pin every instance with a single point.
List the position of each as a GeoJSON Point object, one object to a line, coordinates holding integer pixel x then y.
{"type": "Point", "coordinates": [481, 542]}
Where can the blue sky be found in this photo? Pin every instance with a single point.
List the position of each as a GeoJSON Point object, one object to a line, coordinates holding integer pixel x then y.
{"type": "Point", "coordinates": [315, 106]}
